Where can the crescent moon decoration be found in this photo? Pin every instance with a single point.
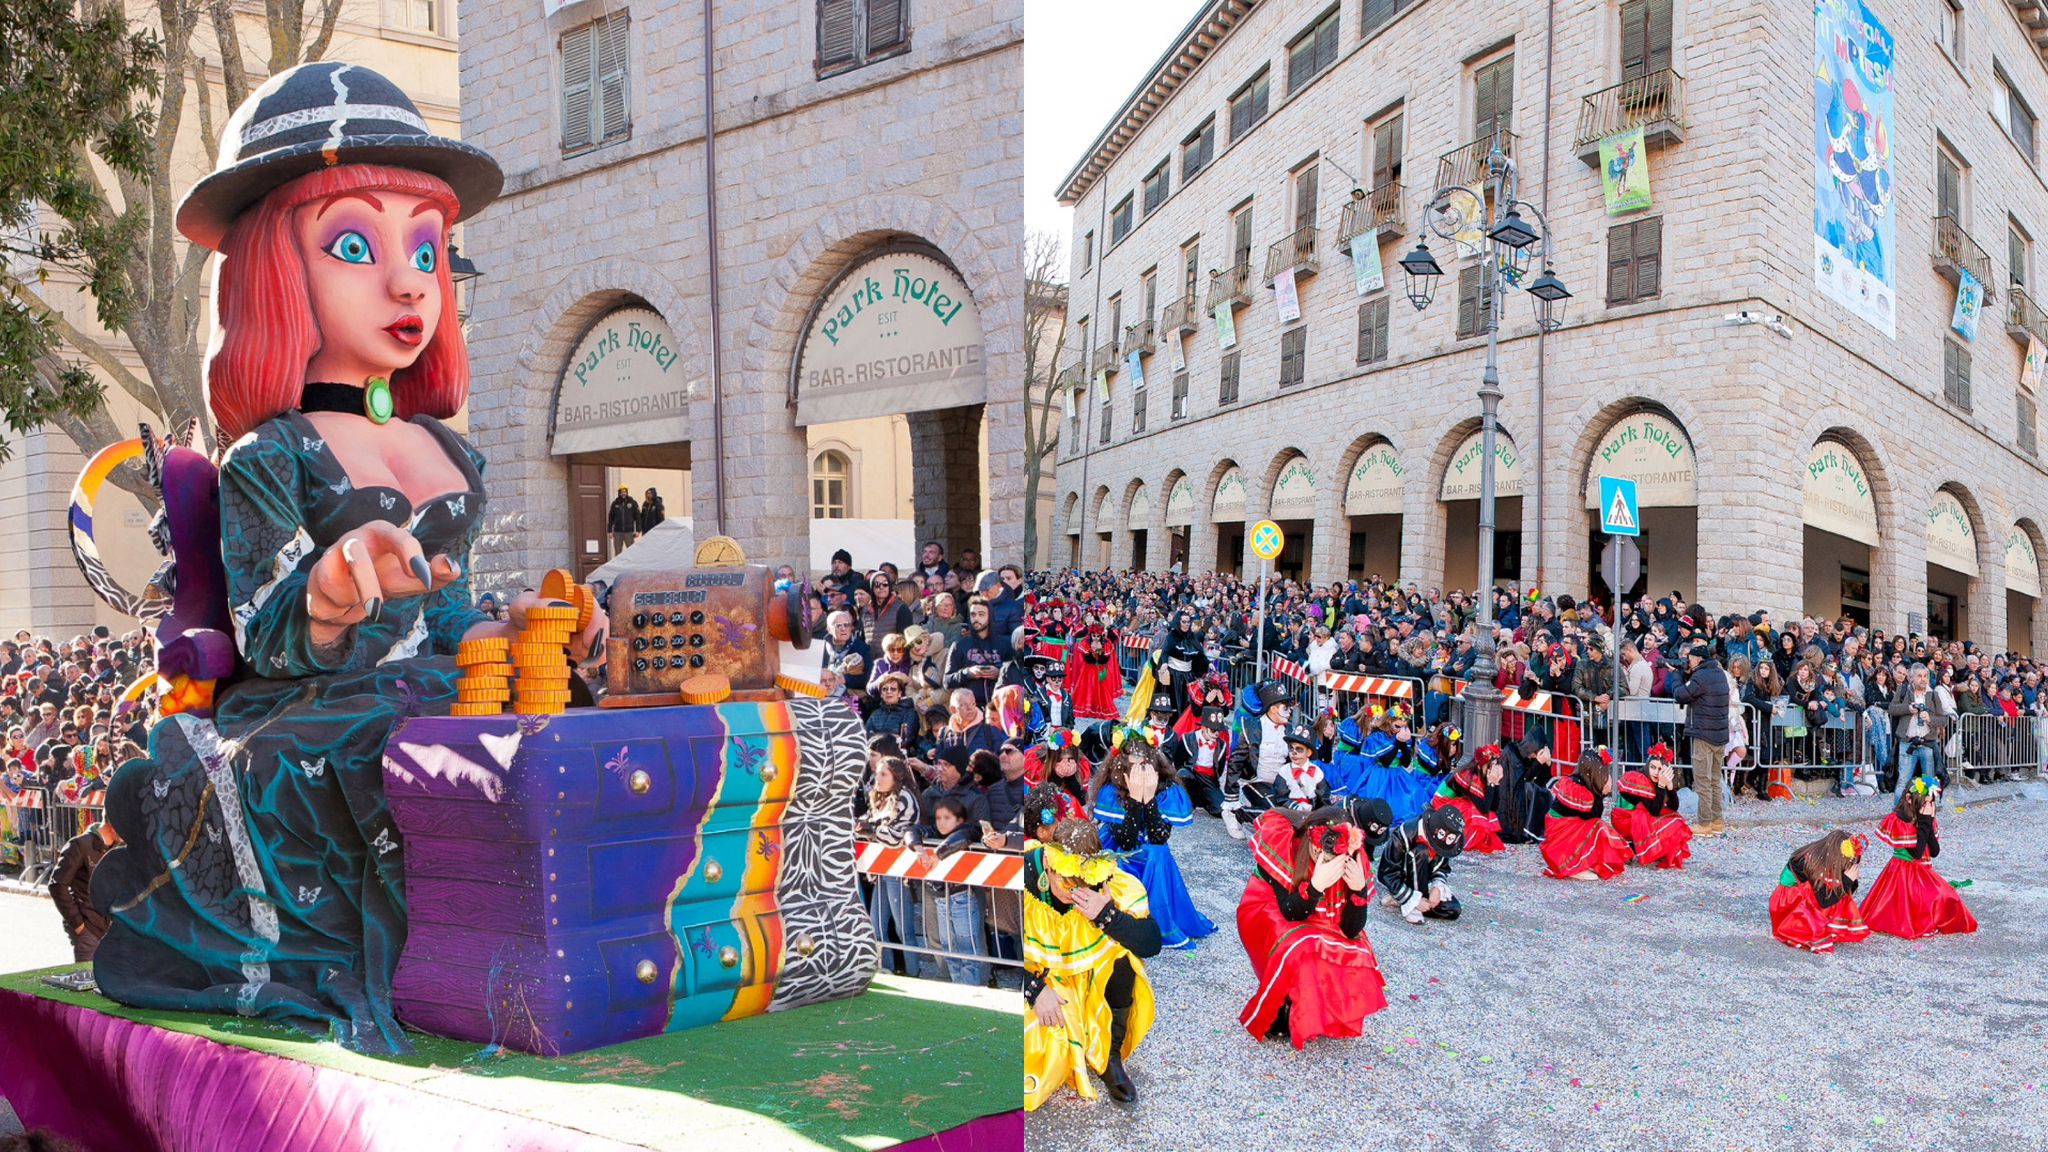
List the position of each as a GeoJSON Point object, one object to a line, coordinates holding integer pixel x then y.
{"type": "Point", "coordinates": [85, 496]}
{"type": "Point", "coordinates": [141, 685]}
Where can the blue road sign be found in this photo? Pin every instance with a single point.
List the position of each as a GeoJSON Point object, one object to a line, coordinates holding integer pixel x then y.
{"type": "Point", "coordinates": [1619, 515]}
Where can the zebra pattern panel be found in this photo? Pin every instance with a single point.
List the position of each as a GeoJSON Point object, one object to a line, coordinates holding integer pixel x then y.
{"type": "Point", "coordinates": [818, 889]}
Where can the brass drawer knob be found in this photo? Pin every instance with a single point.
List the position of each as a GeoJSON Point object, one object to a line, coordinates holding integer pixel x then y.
{"type": "Point", "coordinates": [729, 956]}
{"type": "Point", "coordinates": [767, 773]}
{"type": "Point", "coordinates": [713, 872]}
{"type": "Point", "coordinates": [646, 971]}
{"type": "Point", "coordinates": [805, 944]}
{"type": "Point", "coordinates": [639, 782]}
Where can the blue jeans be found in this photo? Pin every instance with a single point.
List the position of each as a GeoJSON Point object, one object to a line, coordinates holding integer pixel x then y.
{"type": "Point", "coordinates": [893, 903]}
{"type": "Point", "coordinates": [957, 928]}
{"type": "Point", "coordinates": [1880, 733]}
{"type": "Point", "coordinates": [1911, 760]}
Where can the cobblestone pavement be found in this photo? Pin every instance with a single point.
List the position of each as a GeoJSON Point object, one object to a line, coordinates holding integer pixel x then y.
{"type": "Point", "coordinates": [1557, 1015]}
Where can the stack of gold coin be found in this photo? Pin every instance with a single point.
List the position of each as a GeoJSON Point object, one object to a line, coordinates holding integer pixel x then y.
{"type": "Point", "coordinates": [560, 584]}
{"type": "Point", "coordinates": [484, 685]}
{"type": "Point", "coordinates": [540, 658]}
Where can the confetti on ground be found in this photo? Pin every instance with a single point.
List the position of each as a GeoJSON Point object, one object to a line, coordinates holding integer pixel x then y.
{"type": "Point", "coordinates": [1638, 898]}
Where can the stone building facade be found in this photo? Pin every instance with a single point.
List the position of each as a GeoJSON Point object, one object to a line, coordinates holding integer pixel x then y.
{"type": "Point", "coordinates": [1794, 455]}
{"type": "Point", "coordinates": [846, 132]}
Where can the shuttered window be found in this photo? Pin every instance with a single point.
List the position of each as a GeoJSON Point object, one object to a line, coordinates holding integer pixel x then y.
{"type": "Point", "coordinates": [1386, 152]}
{"type": "Point", "coordinates": [1948, 186]}
{"type": "Point", "coordinates": [852, 33]}
{"type": "Point", "coordinates": [1645, 37]}
{"type": "Point", "coordinates": [1191, 263]}
{"type": "Point", "coordinates": [1372, 331]}
{"type": "Point", "coordinates": [1493, 101]}
{"type": "Point", "coordinates": [1380, 13]}
{"type": "Point", "coordinates": [1475, 300]}
{"type": "Point", "coordinates": [1635, 260]}
{"type": "Point", "coordinates": [1293, 356]}
{"type": "Point", "coordinates": [1180, 394]}
{"type": "Point", "coordinates": [1955, 374]}
{"type": "Point", "coordinates": [1241, 236]}
{"type": "Point", "coordinates": [1120, 221]}
{"type": "Point", "coordinates": [1157, 184]}
{"type": "Point", "coordinates": [2026, 416]}
{"type": "Point", "coordinates": [596, 91]}
{"type": "Point", "coordinates": [1248, 106]}
{"type": "Point", "coordinates": [1108, 415]}
{"type": "Point", "coordinates": [1197, 150]}
{"type": "Point", "coordinates": [1226, 384]}
{"type": "Point", "coordinates": [1305, 197]}
{"type": "Point", "coordinates": [1138, 405]}
{"type": "Point", "coordinates": [1312, 51]}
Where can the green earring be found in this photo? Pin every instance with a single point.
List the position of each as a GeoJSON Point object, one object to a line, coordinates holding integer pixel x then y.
{"type": "Point", "coordinates": [377, 403]}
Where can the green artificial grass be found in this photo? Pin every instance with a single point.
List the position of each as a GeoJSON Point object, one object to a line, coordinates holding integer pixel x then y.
{"type": "Point", "coordinates": [900, 1061]}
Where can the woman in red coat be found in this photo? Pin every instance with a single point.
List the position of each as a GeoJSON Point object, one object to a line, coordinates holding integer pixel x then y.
{"type": "Point", "coordinates": [1467, 790]}
{"type": "Point", "coordinates": [1576, 844]}
{"type": "Point", "coordinates": [1646, 812]}
{"type": "Point", "coordinates": [1094, 678]}
{"type": "Point", "coordinates": [1814, 905]}
{"type": "Point", "coordinates": [1910, 899]}
{"type": "Point", "coordinates": [1302, 920]}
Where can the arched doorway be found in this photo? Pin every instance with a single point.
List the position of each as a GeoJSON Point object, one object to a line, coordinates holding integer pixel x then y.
{"type": "Point", "coordinates": [1293, 507]}
{"type": "Point", "coordinates": [1839, 511]}
{"type": "Point", "coordinates": [1952, 569]}
{"type": "Point", "coordinates": [2022, 587]}
{"type": "Point", "coordinates": [1070, 516]}
{"type": "Point", "coordinates": [1226, 512]}
{"type": "Point", "coordinates": [1651, 449]}
{"type": "Point", "coordinates": [1180, 518]}
{"type": "Point", "coordinates": [1372, 510]}
{"type": "Point", "coordinates": [1105, 526]}
{"type": "Point", "coordinates": [1460, 496]}
{"type": "Point", "coordinates": [1139, 517]}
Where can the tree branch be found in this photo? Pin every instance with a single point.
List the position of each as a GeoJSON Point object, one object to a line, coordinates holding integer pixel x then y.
{"type": "Point", "coordinates": [234, 76]}
{"type": "Point", "coordinates": [85, 346]}
{"type": "Point", "coordinates": [330, 11]}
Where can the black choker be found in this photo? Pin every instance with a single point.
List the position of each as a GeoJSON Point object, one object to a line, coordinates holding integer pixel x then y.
{"type": "Point", "coordinates": [371, 401]}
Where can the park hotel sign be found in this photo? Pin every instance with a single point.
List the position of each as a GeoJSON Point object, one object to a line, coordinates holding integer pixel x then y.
{"type": "Point", "coordinates": [625, 385]}
{"type": "Point", "coordinates": [898, 332]}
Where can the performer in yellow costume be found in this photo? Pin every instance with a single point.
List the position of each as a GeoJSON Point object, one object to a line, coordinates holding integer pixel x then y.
{"type": "Point", "coordinates": [1087, 932]}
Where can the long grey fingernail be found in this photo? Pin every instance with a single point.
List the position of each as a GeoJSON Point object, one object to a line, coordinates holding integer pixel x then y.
{"type": "Point", "coordinates": [374, 609]}
{"type": "Point", "coordinates": [423, 570]}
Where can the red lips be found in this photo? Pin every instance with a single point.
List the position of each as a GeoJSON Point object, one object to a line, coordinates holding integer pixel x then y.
{"type": "Point", "coordinates": [407, 330]}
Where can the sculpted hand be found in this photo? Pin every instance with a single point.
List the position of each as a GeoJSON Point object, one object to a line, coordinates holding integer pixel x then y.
{"type": "Point", "coordinates": [376, 562]}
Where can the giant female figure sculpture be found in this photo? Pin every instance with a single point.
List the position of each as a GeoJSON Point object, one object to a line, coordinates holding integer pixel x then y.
{"type": "Point", "coordinates": [262, 873]}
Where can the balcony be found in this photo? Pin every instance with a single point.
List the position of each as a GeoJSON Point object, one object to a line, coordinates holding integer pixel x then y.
{"type": "Point", "coordinates": [1466, 164]}
{"type": "Point", "coordinates": [1179, 316]}
{"type": "Point", "coordinates": [1105, 359]}
{"type": "Point", "coordinates": [2023, 317]}
{"type": "Point", "coordinates": [1955, 252]}
{"type": "Point", "coordinates": [1379, 208]}
{"type": "Point", "coordinates": [1137, 338]}
{"type": "Point", "coordinates": [1232, 285]}
{"type": "Point", "coordinates": [1069, 377]}
{"type": "Point", "coordinates": [1296, 250]}
{"type": "Point", "coordinates": [1654, 102]}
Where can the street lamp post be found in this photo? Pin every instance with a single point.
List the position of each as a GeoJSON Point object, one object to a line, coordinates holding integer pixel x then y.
{"type": "Point", "coordinates": [1450, 213]}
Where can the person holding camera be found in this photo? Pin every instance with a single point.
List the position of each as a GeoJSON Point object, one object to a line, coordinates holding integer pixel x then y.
{"type": "Point", "coordinates": [1920, 721]}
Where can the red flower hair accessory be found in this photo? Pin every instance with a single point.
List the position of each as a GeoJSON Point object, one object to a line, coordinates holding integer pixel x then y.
{"type": "Point", "coordinates": [1486, 754]}
{"type": "Point", "coordinates": [1661, 751]}
{"type": "Point", "coordinates": [1336, 839]}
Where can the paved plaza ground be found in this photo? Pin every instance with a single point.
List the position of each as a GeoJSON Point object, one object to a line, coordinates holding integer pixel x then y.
{"type": "Point", "coordinates": [1559, 1015]}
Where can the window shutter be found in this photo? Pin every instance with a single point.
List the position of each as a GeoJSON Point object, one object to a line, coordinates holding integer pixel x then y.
{"type": "Point", "coordinates": [1293, 357]}
{"type": "Point", "coordinates": [1378, 13]}
{"type": "Point", "coordinates": [1243, 253]}
{"type": "Point", "coordinates": [1948, 187]}
{"type": "Point", "coordinates": [1226, 388]}
{"type": "Point", "coordinates": [1305, 198]}
{"type": "Point", "coordinates": [835, 33]}
{"type": "Point", "coordinates": [1494, 98]}
{"type": "Point", "coordinates": [1365, 333]}
{"type": "Point", "coordinates": [888, 25]}
{"type": "Point", "coordinates": [612, 65]}
{"type": "Point", "coordinates": [1649, 250]}
{"type": "Point", "coordinates": [1620, 258]}
{"type": "Point", "coordinates": [576, 54]}
{"type": "Point", "coordinates": [1326, 41]}
{"type": "Point", "coordinates": [1657, 37]}
{"type": "Point", "coordinates": [1380, 314]}
{"type": "Point", "coordinates": [1634, 37]}
{"type": "Point", "coordinates": [1386, 152]}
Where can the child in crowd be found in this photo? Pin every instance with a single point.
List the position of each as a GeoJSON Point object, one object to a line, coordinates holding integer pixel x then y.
{"type": "Point", "coordinates": [1814, 905]}
{"type": "Point", "coordinates": [1470, 790]}
{"type": "Point", "coordinates": [892, 819]}
{"type": "Point", "coordinates": [1302, 920]}
{"type": "Point", "coordinates": [1910, 899]}
{"type": "Point", "coordinates": [1068, 774]}
{"type": "Point", "coordinates": [1577, 845]}
{"type": "Point", "coordinates": [1646, 812]}
{"type": "Point", "coordinates": [954, 924]}
{"type": "Point", "coordinates": [1139, 801]}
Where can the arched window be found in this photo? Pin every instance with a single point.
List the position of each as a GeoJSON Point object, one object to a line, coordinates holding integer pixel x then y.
{"type": "Point", "coordinates": [831, 476]}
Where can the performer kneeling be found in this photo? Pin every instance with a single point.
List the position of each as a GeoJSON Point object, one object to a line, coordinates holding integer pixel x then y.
{"type": "Point", "coordinates": [1138, 801]}
{"type": "Point", "coordinates": [1814, 906]}
{"type": "Point", "coordinates": [1470, 790]}
{"type": "Point", "coordinates": [1646, 812]}
{"type": "Point", "coordinates": [1576, 845]}
{"type": "Point", "coordinates": [1910, 899]}
{"type": "Point", "coordinates": [1201, 756]}
{"type": "Point", "coordinates": [1087, 932]}
{"type": "Point", "coordinates": [1257, 756]}
{"type": "Point", "coordinates": [1415, 869]}
{"type": "Point", "coordinates": [1302, 920]}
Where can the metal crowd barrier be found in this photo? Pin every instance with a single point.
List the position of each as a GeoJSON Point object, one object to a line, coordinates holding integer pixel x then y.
{"type": "Point", "coordinates": [1130, 654]}
{"type": "Point", "coordinates": [1351, 691]}
{"type": "Point", "coordinates": [1995, 746]}
{"type": "Point", "coordinates": [1561, 718]}
{"type": "Point", "coordinates": [37, 826]}
{"type": "Point", "coordinates": [957, 918]}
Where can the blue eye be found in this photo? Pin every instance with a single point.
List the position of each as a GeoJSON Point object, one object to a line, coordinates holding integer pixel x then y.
{"type": "Point", "coordinates": [423, 256]}
{"type": "Point", "coordinates": [350, 248]}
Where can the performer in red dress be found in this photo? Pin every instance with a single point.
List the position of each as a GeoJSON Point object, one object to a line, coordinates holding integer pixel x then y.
{"type": "Point", "coordinates": [1646, 812]}
{"type": "Point", "coordinates": [1068, 772]}
{"type": "Point", "coordinates": [1576, 844]}
{"type": "Point", "coordinates": [1302, 920]}
{"type": "Point", "coordinates": [1910, 899]}
{"type": "Point", "coordinates": [1467, 790]}
{"type": "Point", "coordinates": [1814, 906]}
{"type": "Point", "coordinates": [1094, 679]}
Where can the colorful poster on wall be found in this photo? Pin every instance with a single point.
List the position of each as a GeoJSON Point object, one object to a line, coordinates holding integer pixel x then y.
{"type": "Point", "coordinates": [1136, 369]}
{"type": "Point", "coordinates": [1853, 217]}
{"type": "Point", "coordinates": [1969, 303]}
{"type": "Point", "coordinates": [1625, 171]}
{"type": "Point", "coordinates": [1177, 350]}
{"type": "Point", "coordinates": [1226, 327]}
{"type": "Point", "coordinates": [1470, 210]}
{"type": "Point", "coordinates": [1285, 298]}
{"type": "Point", "coordinates": [2030, 372]}
{"type": "Point", "coordinates": [1365, 262]}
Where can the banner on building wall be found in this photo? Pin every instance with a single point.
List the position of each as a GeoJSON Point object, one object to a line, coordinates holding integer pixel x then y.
{"type": "Point", "coordinates": [1838, 498]}
{"type": "Point", "coordinates": [1969, 304]}
{"type": "Point", "coordinates": [1951, 539]}
{"type": "Point", "coordinates": [2022, 566]}
{"type": "Point", "coordinates": [1102, 385]}
{"type": "Point", "coordinates": [1470, 210]}
{"type": "Point", "coordinates": [1226, 327]}
{"type": "Point", "coordinates": [1625, 171]}
{"type": "Point", "coordinates": [1461, 474]}
{"type": "Point", "coordinates": [897, 332]}
{"type": "Point", "coordinates": [1652, 451]}
{"type": "Point", "coordinates": [1136, 370]}
{"type": "Point", "coordinates": [1177, 351]}
{"type": "Point", "coordinates": [1374, 488]}
{"type": "Point", "coordinates": [1229, 503]}
{"type": "Point", "coordinates": [1285, 298]}
{"type": "Point", "coordinates": [1067, 394]}
{"type": "Point", "coordinates": [2030, 372]}
{"type": "Point", "coordinates": [1365, 262]}
{"type": "Point", "coordinates": [1854, 218]}
{"type": "Point", "coordinates": [1180, 504]}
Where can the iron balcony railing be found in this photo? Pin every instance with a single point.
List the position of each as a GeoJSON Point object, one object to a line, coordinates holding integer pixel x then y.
{"type": "Point", "coordinates": [1232, 285]}
{"type": "Point", "coordinates": [1296, 250]}
{"type": "Point", "coordinates": [1466, 163]}
{"type": "Point", "coordinates": [1379, 208]}
{"type": "Point", "coordinates": [1179, 316]}
{"type": "Point", "coordinates": [1137, 338]}
{"type": "Point", "coordinates": [1653, 101]}
{"type": "Point", "coordinates": [2023, 317]}
{"type": "Point", "coordinates": [1955, 253]}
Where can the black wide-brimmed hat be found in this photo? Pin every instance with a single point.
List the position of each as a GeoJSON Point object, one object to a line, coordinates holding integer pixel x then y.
{"type": "Point", "coordinates": [318, 116]}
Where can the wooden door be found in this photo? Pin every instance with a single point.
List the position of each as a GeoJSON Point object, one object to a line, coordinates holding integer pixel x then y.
{"type": "Point", "coordinates": [587, 506]}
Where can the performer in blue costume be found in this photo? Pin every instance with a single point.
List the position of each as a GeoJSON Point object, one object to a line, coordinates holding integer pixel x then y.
{"type": "Point", "coordinates": [261, 872]}
{"type": "Point", "coordinates": [1393, 763]}
{"type": "Point", "coordinates": [1139, 801]}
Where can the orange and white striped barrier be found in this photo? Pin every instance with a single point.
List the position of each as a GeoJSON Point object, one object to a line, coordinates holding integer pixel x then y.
{"type": "Point", "coordinates": [1518, 701]}
{"type": "Point", "coordinates": [1354, 684]}
{"type": "Point", "coordinates": [980, 869]}
{"type": "Point", "coordinates": [1282, 666]}
{"type": "Point", "coordinates": [23, 799]}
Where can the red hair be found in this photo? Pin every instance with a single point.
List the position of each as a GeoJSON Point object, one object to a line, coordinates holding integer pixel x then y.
{"type": "Point", "coordinates": [264, 332]}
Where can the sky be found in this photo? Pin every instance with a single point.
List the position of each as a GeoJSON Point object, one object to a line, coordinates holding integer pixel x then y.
{"type": "Point", "coordinates": [1081, 60]}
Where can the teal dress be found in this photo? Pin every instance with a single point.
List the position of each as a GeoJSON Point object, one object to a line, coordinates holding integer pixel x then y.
{"type": "Point", "coordinates": [261, 872]}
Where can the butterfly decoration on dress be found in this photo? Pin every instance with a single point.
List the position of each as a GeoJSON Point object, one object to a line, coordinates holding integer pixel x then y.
{"type": "Point", "coordinates": [161, 787]}
{"type": "Point", "coordinates": [457, 504]}
{"type": "Point", "coordinates": [213, 833]}
{"type": "Point", "coordinates": [383, 842]}
{"type": "Point", "coordinates": [314, 769]}
{"type": "Point", "coordinates": [310, 444]}
{"type": "Point", "coordinates": [532, 725]}
{"type": "Point", "coordinates": [409, 697]}
{"type": "Point", "coordinates": [342, 488]}
{"type": "Point", "coordinates": [734, 633]}
{"type": "Point", "coordinates": [308, 895]}
{"type": "Point", "coordinates": [387, 501]}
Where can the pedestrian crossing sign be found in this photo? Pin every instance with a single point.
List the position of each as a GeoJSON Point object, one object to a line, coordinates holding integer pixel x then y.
{"type": "Point", "coordinates": [1619, 515]}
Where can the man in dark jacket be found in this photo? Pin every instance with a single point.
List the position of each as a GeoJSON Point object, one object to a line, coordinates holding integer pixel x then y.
{"type": "Point", "coordinates": [1705, 695]}
{"type": "Point", "coordinates": [651, 512]}
{"type": "Point", "coordinates": [976, 659]}
{"type": "Point", "coordinates": [623, 520]}
{"type": "Point", "coordinates": [71, 888]}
